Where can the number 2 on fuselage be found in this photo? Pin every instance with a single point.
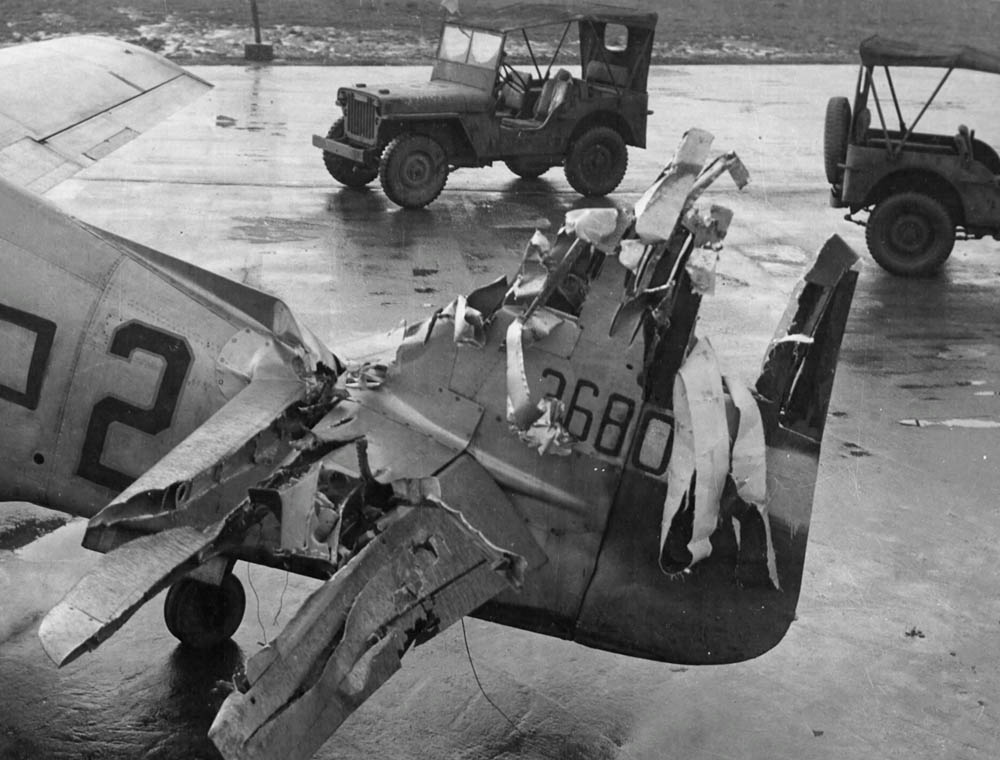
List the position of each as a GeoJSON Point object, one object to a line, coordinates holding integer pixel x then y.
{"type": "Point", "coordinates": [176, 354]}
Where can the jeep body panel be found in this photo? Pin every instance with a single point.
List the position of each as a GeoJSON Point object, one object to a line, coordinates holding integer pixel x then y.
{"type": "Point", "coordinates": [871, 171]}
{"type": "Point", "coordinates": [417, 99]}
{"type": "Point", "coordinates": [519, 139]}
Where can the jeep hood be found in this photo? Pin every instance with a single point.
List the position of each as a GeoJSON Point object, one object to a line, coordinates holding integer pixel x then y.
{"type": "Point", "coordinates": [426, 98]}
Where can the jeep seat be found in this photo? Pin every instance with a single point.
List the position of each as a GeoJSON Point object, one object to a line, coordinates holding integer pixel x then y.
{"type": "Point", "coordinates": [554, 94]}
{"type": "Point", "coordinates": [862, 123]}
{"type": "Point", "coordinates": [970, 149]}
{"type": "Point", "coordinates": [963, 143]}
{"type": "Point", "coordinates": [512, 97]}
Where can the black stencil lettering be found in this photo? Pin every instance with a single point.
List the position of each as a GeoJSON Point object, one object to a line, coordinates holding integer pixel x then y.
{"type": "Point", "coordinates": [614, 420]}
{"type": "Point", "coordinates": [128, 338]}
{"type": "Point", "coordinates": [45, 332]}
{"type": "Point", "coordinates": [574, 408]}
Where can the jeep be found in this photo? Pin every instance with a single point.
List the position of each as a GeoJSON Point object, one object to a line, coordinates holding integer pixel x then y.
{"type": "Point", "coordinates": [920, 190]}
{"type": "Point", "coordinates": [478, 108]}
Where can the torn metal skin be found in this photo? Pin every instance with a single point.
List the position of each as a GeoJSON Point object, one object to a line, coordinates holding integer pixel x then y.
{"type": "Point", "coordinates": [182, 491]}
{"type": "Point", "coordinates": [426, 569]}
{"type": "Point", "coordinates": [428, 487]}
{"type": "Point", "coordinates": [154, 534]}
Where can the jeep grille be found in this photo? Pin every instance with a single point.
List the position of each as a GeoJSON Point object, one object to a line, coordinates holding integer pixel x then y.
{"type": "Point", "coordinates": [360, 118]}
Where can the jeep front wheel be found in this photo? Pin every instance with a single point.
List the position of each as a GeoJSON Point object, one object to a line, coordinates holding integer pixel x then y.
{"type": "Point", "coordinates": [345, 171]}
{"type": "Point", "coordinates": [596, 161]}
{"type": "Point", "coordinates": [413, 170]}
{"type": "Point", "coordinates": [910, 234]}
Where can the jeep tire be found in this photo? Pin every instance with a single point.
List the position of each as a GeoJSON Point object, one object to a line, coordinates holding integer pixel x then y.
{"type": "Point", "coordinates": [413, 170]}
{"type": "Point", "coordinates": [528, 168]}
{"type": "Point", "coordinates": [596, 161]}
{"type": "Point", "coordinates": [910, 234]}
{"type": "Point", "coordinates": [836, 129]}
{"type": "Point", "coordinates": [345, 171]}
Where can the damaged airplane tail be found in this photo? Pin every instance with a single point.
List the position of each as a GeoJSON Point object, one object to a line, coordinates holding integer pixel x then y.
{"type": "Point", "coordinates": [559, 453]}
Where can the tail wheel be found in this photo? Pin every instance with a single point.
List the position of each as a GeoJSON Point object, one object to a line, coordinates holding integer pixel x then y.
{"type": "Point", "coordinates": [203, 616]}
{"type": "Point", "coordinates": [345, 171]}
{"type": "Point", "coordinates": [596, 161]}
{"type": "Point", "coordinates": [835, 133]}
{"type": "Point", "coordinates": [910, 234]}
{"type": "Point", "coordinates": [528, 168]}
{"type": "Point", "coordinates": [413, 170]}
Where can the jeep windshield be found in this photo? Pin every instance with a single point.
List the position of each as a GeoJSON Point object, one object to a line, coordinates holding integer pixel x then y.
{"type": "Point", "coordinates": [472, 47]}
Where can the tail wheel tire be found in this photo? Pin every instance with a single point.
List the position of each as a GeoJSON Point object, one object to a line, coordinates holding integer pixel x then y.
{"type": "Point", "coordinates": [910, 234]}
{"type": "Point", "coordinates": [203, 616]}
{"type": "Point", "coordinates": [597, 161]}
{"type": "Point", "coordinates": [836, 129]}
{"type": "Point", "coordinates": [413, 170]}
{"type": "Point", "coordinates": [528, 168]}
{"type": "Point", "coordinates": [345, 171]}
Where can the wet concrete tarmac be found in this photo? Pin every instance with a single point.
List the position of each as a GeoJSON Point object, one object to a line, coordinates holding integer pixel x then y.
{"type": "Point", "coordinates": [895, 650]}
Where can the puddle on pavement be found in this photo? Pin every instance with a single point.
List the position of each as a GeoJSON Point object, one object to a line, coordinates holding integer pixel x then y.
{"type": "Point", "coordinates": [776, 253]}
{"type": "Point", "coordinates": [509, 215]}
{"type": "Point", "coordinates": [273, 128]}
{"type": "Point", "coordinates": [264, 230]}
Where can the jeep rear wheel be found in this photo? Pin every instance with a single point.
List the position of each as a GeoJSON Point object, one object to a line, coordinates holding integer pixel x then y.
{"type": "Point", "coordinates": [835, 132]}
{"type": "Point", "coordinates": [597, 161]}
{"type": "Point", "coordinates": [413, 170]}
{"type": "Point", "coordinates": [345, 171]}
{"type": "Point", "coordinates": [910, 234]}
{"type": "Point", "coordinates": [528, 168]}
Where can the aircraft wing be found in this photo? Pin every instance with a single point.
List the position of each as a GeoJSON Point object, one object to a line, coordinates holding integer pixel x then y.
{"type": "Point", "coordinates": [68, 102]}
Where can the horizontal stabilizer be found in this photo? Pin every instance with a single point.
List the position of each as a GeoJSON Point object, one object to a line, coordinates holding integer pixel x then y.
{"type": "Point", "coordinates": [188, 508]}
{"type": "Point", "coordinates": [427, 570]}
{"type": "Point", "coordinates": [123, 581]}
{"type": "Point", "coordinates": [207, 473]}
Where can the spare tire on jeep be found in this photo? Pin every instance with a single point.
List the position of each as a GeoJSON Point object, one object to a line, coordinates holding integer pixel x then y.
{"type": "Point", "coordinates": [835, 133]}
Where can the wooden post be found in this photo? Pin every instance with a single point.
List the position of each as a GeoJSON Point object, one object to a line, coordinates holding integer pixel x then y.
{"type": "Point", "coordinates": [257, 50]}
{"type": "Point", "coordinates": [255, 18]}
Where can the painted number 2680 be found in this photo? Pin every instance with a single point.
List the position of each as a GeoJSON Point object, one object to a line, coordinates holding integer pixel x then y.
{"type": "Point", "coordinates": [605, 423]}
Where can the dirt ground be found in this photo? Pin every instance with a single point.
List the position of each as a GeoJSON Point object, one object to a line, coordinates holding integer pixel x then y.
{"type": "Point", "coordinates": [404, 31]}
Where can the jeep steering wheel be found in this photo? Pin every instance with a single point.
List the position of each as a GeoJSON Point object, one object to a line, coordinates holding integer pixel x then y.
{"type": "Point", "coordinates": [513, 77]}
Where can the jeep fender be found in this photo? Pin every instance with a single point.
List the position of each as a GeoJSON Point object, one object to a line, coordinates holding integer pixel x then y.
{"type": "Point", "coordinates": [448, 130]}
{"type": "Point", "coordinates": [605, 119]}
{"type": "Point", "coordinates": [929, 183]}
